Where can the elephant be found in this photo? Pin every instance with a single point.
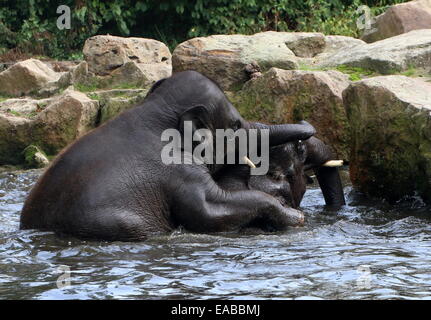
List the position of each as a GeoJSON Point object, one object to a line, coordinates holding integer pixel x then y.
{"type": "Point", "coordinates": [111, 183]}
{"type": "Point", "coordinates": [286, 179]}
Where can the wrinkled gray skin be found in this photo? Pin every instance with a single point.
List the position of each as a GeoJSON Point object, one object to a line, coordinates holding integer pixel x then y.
{"type": "Point", "coordinates": [111, 184]}
{"type": "Point", "coordinates": [286, 179]}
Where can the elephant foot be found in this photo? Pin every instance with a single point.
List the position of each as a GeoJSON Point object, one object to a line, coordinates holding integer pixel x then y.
{"type": "Point", "coordinates": [289, 218]}
{"type": "Point", "coordinates": [295, 217]}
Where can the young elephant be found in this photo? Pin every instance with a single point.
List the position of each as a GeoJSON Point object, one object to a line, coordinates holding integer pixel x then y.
{"type": "Point", "coordinates": [286, 178]}
{"type": "Point", "coordinates": [112, 184]}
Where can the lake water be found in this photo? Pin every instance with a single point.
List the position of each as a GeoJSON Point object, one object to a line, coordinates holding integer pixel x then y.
{"type": "Point", "coordinates": [366, 250]}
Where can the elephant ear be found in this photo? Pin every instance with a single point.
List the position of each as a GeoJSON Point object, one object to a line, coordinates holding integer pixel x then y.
{"type": "Point", "coordinates": [155, 86]}
{"type": "Point", "coordinates": [198, 116]}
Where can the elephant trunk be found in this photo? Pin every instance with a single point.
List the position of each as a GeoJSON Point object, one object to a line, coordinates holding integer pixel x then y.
{"type": "Point", "coordinates": [283, 133]}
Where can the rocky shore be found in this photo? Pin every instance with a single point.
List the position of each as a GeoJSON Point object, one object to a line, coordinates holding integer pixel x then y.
{"type": "Point", "coordinates": [370, 101]}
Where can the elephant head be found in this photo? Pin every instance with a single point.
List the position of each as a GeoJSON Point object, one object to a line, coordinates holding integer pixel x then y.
{"type": "Point", "coordinates": [191, 97]}
{"type": "Point", "coordinates": [287, 179]}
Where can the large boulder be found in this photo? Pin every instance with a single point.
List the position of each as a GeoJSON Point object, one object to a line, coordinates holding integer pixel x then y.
{"type": "Point", "coordinates": [113, 58]}
{"type": "Point", "coordinates": [400, 18]}
{"type": "Point", "coordinates": [281, 96]}
{"type": "Point", "coordinates": [50, 124]}
{"type": "Point", "coordinates": [334, 44]}
{"type": "Point", "coordinates": [25, 77]}
{"type": "Point", "coordinates": [390, 121]}
{"type": "Point", "coordinates": [399, 53]}
{"type": "Point", "coordinates": [224, 57]}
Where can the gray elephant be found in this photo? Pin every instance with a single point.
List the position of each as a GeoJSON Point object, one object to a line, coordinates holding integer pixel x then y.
{"type": "Point", "coordinates": [111, 184]}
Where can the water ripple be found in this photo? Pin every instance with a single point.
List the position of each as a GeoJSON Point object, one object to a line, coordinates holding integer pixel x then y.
{"type": "Point", "coordinates": [366, 250]}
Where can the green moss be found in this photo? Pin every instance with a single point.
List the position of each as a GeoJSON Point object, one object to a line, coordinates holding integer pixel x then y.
{"type": "Point", "coordinates": [93, 96]}
{"type": "Point", "coordinates": [391, 157]}
{"type": "Point", "coordinates": [236, 87]}
{"type": "Point", "coordinates": [307, 67]}
{"type": "Point", "coordinates": [15, 113]}
{"type": "Point", "coordinates": [255, 107]}
{"type": "Point", "coordinates": [126, 86]}
{"type": "Point", "coordinates": [87, 87]}
{"type": "Point", "coordinates": [409, 73]}
{"type": "Point", "coordinates": [94, 84]}
{"type": "Point", "coordinates": [32, 114]}
{"type": "Point", "coordinates": [412, 71]}
{"type": "Point", "coordinates": [302, 107]}
{"type": "Point", "coordinates": [4, 97]}
{"type": "Point", "coordinates": [356, 73]}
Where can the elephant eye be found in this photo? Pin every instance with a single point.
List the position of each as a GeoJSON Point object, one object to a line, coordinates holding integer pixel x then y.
{"type": "Point", "coordinates": [236, 125]}
{"type": "Point", "coordinates": [301, 149]}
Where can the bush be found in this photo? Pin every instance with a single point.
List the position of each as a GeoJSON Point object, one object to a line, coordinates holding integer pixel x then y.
{"type": "Point", "coordinates": [29, 26]}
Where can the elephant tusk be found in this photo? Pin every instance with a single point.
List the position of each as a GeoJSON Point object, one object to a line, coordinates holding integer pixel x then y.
{"type": "Point", "coordinates": [249, 162]}
{"type": "Point", "coordinates": [333, 163]}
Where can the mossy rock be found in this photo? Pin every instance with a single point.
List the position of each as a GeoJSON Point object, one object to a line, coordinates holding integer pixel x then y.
{"type": "Point", "coordinates": [115, 101]}
{"type": "Point", "coordinates": [391, 136]}
{"type": "Point", "coordinates": [60, 122]}
{"type": "Point", "coordinates": [35, 157]}
{"type": "Point", "coordinates": [288, 96]}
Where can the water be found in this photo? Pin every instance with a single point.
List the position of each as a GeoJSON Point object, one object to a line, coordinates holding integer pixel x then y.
{"type": "Point", "coordinates": [367, 250]}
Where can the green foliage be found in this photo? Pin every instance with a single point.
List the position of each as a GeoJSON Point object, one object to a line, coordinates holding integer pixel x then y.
{"type": "Point", "coordinates": [30, 25]}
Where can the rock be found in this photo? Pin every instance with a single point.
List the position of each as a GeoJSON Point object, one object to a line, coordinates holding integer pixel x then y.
{"type": "Point", "coordinates": [399, 53]}
{"type": "Point", "coordinates": [111, 58]}
{"type": "Point", "coordinates": [253, 70]}
{"type": "Point", "coordinates": [307, 46]}
{"type": "Point", "coordinates": [61, 66]}
{"type": "Point", "coordinates": [52, 127]}
{"type": "Point", "coordinates": [132, 74]}
{"type": "Point", "coordinates": [286, 96]}
{"type": "Point", "coordinates": [390, 121]}
{"type": "Point", "coordinates": [334, 44]}
{"type": "Point", "coordinates": [35, 157]}
{"type": "Point", "coordinates": [26, 77]}
{"type": "Point", "coordinates": [224, 57]}
{"type": "Point", "coordinates": [14, 137]}
{"type": "Point", "coordinates": [399, 19]}
{"type": "Point", "coordinates": [27, 107]}
{"type": "Point", "coordinates": [78, 74]}
{"type": "Point", "coordinates": [113, 102]}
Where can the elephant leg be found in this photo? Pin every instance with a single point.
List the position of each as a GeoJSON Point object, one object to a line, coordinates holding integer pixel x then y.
{"type": "Point", "coordinates": [200, 205]}
{"type": "Point", "coordinates": [329, 178]}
